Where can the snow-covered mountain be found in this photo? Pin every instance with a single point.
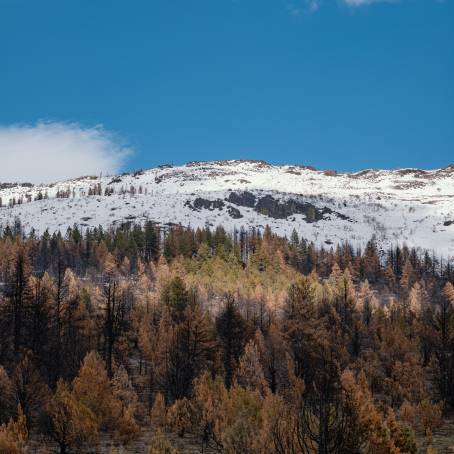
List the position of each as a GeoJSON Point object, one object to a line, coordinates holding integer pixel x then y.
{"type": "Point", "coordinates": [409, 206]}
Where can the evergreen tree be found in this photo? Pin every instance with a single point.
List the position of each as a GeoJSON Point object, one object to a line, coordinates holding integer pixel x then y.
{"type": "Point", "coordinates": [232, 332]}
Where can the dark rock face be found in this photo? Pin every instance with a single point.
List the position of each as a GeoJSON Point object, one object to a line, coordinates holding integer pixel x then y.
{"type": "Point", "coordinates": [448, 223]}
{"type": "Point", "coordinates": [208, 204]}
{"type": "Point", "coordinates": [242, 199]}
{"type": "Point", "coordinates": [13, 185]}
{"type": "Point", "coordinates": [234, 212]}
{"type": "Point", "coordinates": [280, 209]}
{"type": "Point", "coordinates": [114, 180]}
{"type": "Point", "coordinates": [277, 209]}
{"type": "Point", "coordinates": [200, 203]}
{"type": "Point", "coordinates": [266, 205]}
{"type": "Point", "coordinates": [204, 204]}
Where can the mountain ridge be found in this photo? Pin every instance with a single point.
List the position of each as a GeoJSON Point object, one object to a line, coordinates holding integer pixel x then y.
{"type": "Point", "coordinates": [411, 206]}
{"type": "Point", "coordinates": [400, 170]}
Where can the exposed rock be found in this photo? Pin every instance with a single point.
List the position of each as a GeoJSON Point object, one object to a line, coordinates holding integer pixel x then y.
{"type": "Point", "coordinates": [243, 199]}
{"type": "Point", "coordinates": [280, 209]}
{"type": "Point", "coordinates": [293, 172]}
{"type": "Point", "coordinates": [195, 163]}
{"type": "Point", "coordinates": [415, 172]}
{"type": "Point", "coordinates": [200, 203]}
{"type": "Point", "coordinates": [277, 209]}
{"type": "Point", "coordinates": [13, 185]}
{"type": "Point", "coordinates": [234, 212]}
{"type": "Point", "coordinates": [405, 185]}
{"type": "Point", "coordinates": [257, 162]}
{"type": "Point", "coordinates": [206, 204]}
{"type": "Point", "coordinates": [115, 180]}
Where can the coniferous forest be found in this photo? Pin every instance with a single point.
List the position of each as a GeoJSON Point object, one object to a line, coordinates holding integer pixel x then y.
{"type": "Point", "coordinates": [144, 339]}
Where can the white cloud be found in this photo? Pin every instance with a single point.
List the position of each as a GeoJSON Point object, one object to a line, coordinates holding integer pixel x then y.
{"type": "Point", "coordinates": [355, 3]}
{"type": "Point", "coordinates": [298, 7]}
{"type": "Point", "coordinates": [48, 152]}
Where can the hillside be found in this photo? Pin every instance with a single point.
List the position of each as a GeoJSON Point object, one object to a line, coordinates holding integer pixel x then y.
{"type": "Point", "coordinates": [409, 206]}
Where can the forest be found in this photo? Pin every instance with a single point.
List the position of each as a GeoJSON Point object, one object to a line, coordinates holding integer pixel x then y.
{"type": "Point", "coordinates": [169, 340]}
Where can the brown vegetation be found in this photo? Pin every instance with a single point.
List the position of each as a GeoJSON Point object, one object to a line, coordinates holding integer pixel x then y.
{"type": "Point", "coordinates": [240, 344]}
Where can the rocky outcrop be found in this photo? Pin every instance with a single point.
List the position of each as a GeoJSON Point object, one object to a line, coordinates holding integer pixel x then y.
{"type": "Point", "coordinates": [277, 209]}
{"type": "Point", "coordinates": [280, 209]}
{"type": "Point", "coordinates": [205, 204]}
{"type": "Point", "coordinates": [234, 212]}
{"type": "Point", "coordinates": [242, 199]}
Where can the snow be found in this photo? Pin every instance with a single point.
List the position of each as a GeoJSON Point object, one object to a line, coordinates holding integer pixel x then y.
{"type": "Point", "coordinates": [400, 206]}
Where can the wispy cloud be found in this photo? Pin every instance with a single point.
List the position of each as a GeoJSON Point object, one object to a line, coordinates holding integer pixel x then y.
{"type": "Point", "coordinates": [298, 7]}
{"type": "Point", "coordinates": [53, 151]}
{"type": "Point", "coordinates": [356, 3]}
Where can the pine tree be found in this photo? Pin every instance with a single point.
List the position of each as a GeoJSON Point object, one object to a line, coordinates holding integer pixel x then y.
{"type": "Point", "coordinates": [14, 435]}
{"type": "Point", "coordinates": [232, 331]}
{"type": "Point", "coordinates": [189, 352]}
{"type": "Point", "coordinates": [176, 297]}
{"type": "Point", "coordinates": [160, 445]}
{"type": "Point", "coordinates": [249, 373]}
{"type": "Point", "coordinates": [69, 422]}
{"type": "Point", "coordinates": [18, 293]}
{"type": "Point", "coordinates": [151, 252]}
{"type": "Point", "coordinates": [371, 262]}
{"type": "Point", "coordinates": [407, 278]}
{"type": "Point", "coordinates": [209, 402]}
{"type": "Point", "coordinates": [180, 416]}
{"type": "Point", "coordinates": [158, 413]}
{"type": "Point", "coordinates": [92, 388]}
{"type": "Point", "coordinates": [29, 388]}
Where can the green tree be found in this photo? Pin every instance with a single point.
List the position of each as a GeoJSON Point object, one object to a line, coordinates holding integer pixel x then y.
{"type": "Point", "coordinates": [232, 330]}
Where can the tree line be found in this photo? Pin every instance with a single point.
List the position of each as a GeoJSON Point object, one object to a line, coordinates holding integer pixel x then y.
{"type": "Point", "coordinates": [239, 343]}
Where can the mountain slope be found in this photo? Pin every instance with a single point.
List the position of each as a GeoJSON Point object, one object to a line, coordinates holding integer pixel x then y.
{"type": "Point", "coordinates": [409, 206]}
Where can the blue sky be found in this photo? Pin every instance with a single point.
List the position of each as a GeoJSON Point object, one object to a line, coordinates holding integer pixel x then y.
{"type": "Point", "coordinates": [331, 84]}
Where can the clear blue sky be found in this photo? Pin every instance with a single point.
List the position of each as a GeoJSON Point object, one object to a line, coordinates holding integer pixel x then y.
{"type": "Point", "coordinates": [327, 84]}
